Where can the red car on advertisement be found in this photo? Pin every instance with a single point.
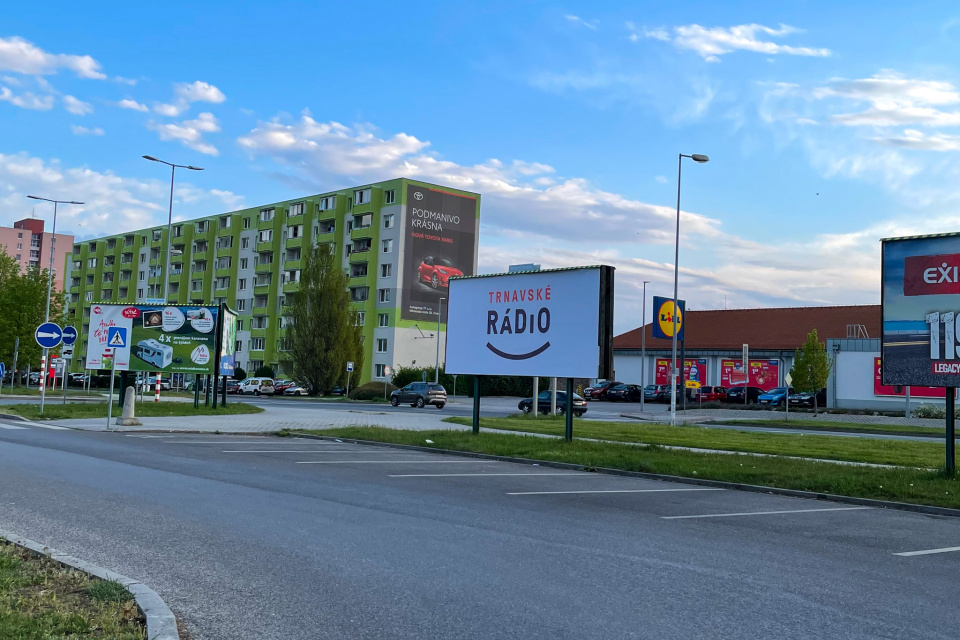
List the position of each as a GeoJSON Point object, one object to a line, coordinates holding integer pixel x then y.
{"type": "Point", "coordinates": [437, 271]}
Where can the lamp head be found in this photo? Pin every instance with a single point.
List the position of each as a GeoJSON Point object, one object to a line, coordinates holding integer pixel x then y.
{"type": "Point", "coordinates": [699, 157]}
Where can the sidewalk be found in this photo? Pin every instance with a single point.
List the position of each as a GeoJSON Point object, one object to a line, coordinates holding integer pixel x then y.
{"type": "Point", "coordinates": [699, 415]}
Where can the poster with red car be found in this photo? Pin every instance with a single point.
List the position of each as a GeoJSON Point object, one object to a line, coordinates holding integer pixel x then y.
{"type": "Point", "coordinates": [693, 369]}
{"type": "Point", "coordinates": [880, 389]}
{"type": "Point", "coordinates": [440, 243]}
{"type": "Point", "coordinates": [764, 374]}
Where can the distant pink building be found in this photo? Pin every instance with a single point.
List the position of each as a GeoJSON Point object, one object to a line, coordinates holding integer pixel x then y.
{"type": "Point", "coordinates": [30, 245]}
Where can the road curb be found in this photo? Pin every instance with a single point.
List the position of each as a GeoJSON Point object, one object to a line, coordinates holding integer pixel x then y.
{"type": "Point", "coordinates": [736, 486]}
{"type": "Point", "coordinates": [161, 623]}
{"type": "Point", "coordinates": [12, 416]}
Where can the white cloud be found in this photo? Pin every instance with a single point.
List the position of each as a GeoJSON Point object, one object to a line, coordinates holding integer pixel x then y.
{"type": "Point", "coordinates": [661, 179]}
{"type": "Point", "coordinates": [77, 107]}
{"type": "Point", "coordinates": [190, 132]}
{"type": "Point", "coordinates": [128, 103]}
{"type": "Point", "coordinates": [127, 81]}
{"type": "Point", "coordinates": [170, 110]}
{"type": "Point", "coordinates": [20, 56]}
{"type": "Point", "coordinates": [711, 43]}
{"type": "Point", "coordinates": [894, 100]}
{"type": "Point", "coordinates": [577, 20]}
{"type": "Point", "coordinates": [27, 100]}
{"type": "Point", "coordinates": [84, 131]}
{"type": "Point", "coordinates": [917, 140]}
{"type": "Point", "coordinates": [186, 93]}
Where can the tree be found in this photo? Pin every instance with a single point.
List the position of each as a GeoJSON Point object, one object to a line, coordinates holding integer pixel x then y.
{"type": "Point", "coordinates": [323, 334]}
{"type": "Point", "coordinates": [811, 367]}
{"type": "Point", "coordinates": [24, 295]}
{"type": "Point", "coordinates": [239, 373]}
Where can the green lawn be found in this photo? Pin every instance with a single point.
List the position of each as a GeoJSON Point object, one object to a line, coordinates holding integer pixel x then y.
{"type": "Point", "coordinates": [40, 599]}
{"type": "Point", "coordinates": [34, 391]}
{"type": "Point", "coordinates": [902, 485]}
{"type": "Point", "coordinates": [897, 452]}
{"type": "Point", "coordinates": [54, 411]}
{"type": "Point", "coordinates": [823, 425]}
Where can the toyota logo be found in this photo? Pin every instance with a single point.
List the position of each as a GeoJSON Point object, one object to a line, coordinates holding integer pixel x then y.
{"type": "Point", "coordinates": [418, 195]}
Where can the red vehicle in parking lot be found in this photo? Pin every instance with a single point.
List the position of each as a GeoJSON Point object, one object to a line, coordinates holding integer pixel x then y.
{"type": "Point", "coordinates": [713, 394]}
{"type": "Point", "coordinates": [599, 392]}
{"type": "Point", "coordinates": [437, 271]}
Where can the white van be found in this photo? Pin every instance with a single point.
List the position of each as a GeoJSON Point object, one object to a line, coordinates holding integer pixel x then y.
{"type": "Point", "coordinates": [257, 386]}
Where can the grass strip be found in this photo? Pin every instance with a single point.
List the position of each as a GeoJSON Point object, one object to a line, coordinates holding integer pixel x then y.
{"type": "Point", "coordinates": [900, 485]}
{"type": "Point", "coordinates": [74, 410]}
{"type": "Point", "coordinates": [875, 451]}
{"type": "Point", "coordinates": [42, 599]}
{"type": "Point", "coordinates": [58, 392]}
{"type": "Point", "coordinates": [846, 427]}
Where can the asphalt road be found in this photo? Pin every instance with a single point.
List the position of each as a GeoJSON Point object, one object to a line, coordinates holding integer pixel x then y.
{"type": "Point", "coordinates": [254, 537]}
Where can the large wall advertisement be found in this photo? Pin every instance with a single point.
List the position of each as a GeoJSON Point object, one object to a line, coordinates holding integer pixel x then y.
{"type": "Point", "coordinates": [556, 323]}
{"type": "Point", "coordinates": [764, 374]}
{"type": "Point", "coordinates": [921, 280]}
{"type": "Point", "coordinates": [440, 243]}
{"type": "Point", "coordinates": [693, 369]}
{"type": "Point", "coordinates": [880, 389]}
{"type": "Point", "coordinates": [172, 339]}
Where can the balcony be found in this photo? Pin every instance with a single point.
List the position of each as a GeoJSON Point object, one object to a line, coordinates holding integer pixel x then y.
{"type": "Point", "coordinates": [258, 333]}
{"type": "Point", "coordinates": [223, 252]}
{"type": "Point", "coordinates": [293, 243]}
{"type": "Point", "coordinates": [223, 273]}
{"type": "Point", "coordinates": [260, 311]}
{"type": "Point", "coordinates": [291, 287]}
{"type": "Point", "coordinates": [264, 246]}
{"type": "Point", "coordinates": [293, 264]}
{"type": "Point", "coordinates": [264, 268]}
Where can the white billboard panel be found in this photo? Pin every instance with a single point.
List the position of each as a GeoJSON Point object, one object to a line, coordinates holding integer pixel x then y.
{"type": "Point", "coordinates": [555, 323]}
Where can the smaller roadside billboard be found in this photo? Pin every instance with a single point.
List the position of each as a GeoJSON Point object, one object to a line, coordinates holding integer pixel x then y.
{"type": "Point", "coordinates": [880, 389]}
{"type": "Point", "coordinates": [764, 374]}
{"type": "Point", "coordinates": [694, 369]}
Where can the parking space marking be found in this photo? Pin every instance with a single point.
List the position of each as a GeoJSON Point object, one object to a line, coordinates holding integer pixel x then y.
{"type": "Point", "coordinates": [465, 475]}
{"type": "Point", "coordinates": [927, 552]}
{"type": "Point", "coordinates": [397, 462]}
{"type": "Point", "coordinates": [763, 513]}
{"type": "Point", "coordinates": [551, 493]}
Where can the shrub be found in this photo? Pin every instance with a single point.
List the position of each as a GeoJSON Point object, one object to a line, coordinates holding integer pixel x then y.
{"type": "Point", "coordinates": [239, 373]}
{"type": "Point", "coordinates": [372, 391]}
{"type": "Point", "coordinates": [930, 411]}
{"type": "Point", "coordinates": [263, 372]}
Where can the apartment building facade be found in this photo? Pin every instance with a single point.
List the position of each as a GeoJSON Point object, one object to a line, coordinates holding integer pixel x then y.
{"type": "Point", "coordinates": [30, 245]}
{"type": "Point", "coordinates": [398, 241]}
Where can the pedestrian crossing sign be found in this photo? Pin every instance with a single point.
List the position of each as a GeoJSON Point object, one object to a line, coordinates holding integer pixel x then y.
{"type": "Point", "coordinates": [117, 337]}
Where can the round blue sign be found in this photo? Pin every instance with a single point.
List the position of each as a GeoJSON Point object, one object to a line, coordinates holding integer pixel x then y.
{"type": "Point", "coordinates": [48, 335]}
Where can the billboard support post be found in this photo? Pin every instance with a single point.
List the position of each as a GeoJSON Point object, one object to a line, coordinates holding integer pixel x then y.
{"type": "Point", "coordinates": [536, 396]}
{"type": "Point", "coordinates": [906, 410]}
{"type": "Point", "coordinates": [568, 412]}
{"type": "Point", "coordinates": [683, 376]}
{"type": "Point", "coordinates": [476, 405]}
{"type": "Point", "coordinates": [113, 373]}
{"type": "Point", "coordinates": [950, 429]}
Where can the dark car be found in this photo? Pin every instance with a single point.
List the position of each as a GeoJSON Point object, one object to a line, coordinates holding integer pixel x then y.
{"type": "Point", "coordinates": [599, 391]}
{"type": "Point", "coordinates": [543, 404]}
{"type": "Point", "coordinates": [279, 386]}
{"type": "Point", "coordinates": [624, 392]}
{"type": "Point", "coordinates": [735, 394]}
{"type": "Point", "coordinates": [337, 391]}
{"type": "Point", "coordinates": [233, 386]}
{"type": "Point", "coordinates": [437, 271]}
{"type": "Point", "coordinates": [663, 393]}
{"type": "Point", "coordinates": [713, 394]}
{"type": "Point", "coordinates": [806, 398]}
{"type": "Point", "coordinates": [420, 394]}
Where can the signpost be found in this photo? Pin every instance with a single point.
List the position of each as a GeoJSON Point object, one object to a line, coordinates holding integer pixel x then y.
{"type": "Point", "coordinates": [745, 358]}
{"type": "Point", "coordinates": [3, 371]}
{"type": "Point", "coordinates": [786, 400]}
{"type": "Point", "coordinates": [117, 339]}
{"type": "Point", "coordinates": [66, 352]}
{"type": "Point", "coordinates": [48, 335]}
{"type": "Point", "coordinates": [349, 371]}
{"type": "Point", "coordinates": [108, 353]}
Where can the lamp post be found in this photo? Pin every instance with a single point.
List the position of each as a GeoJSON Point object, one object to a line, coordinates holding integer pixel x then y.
{"type": "Point", "coordinates": [436, 369]}
{"type": "Point", "coordinates": [46, 314]}
{"type": "Point", "coordinates": [700, 159]}
{"type": "Point", "coordinates": [165, 276]}
{"type": "Point", "coordinates": [643, 345]}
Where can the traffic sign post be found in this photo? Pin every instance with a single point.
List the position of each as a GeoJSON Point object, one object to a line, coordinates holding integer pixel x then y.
{"type": "Point", "coordinates": [113, 369]}
{"type": "Point", "coordinates": [48, 335]}
{"type": "Point", "coordinates": [786, 399]}
{"type": "Point", "coordinates": [746, 373]}
{"type": "Point", "coordinates": [349, 371]}
{"type": "Point", "coordinates": [3, 371]}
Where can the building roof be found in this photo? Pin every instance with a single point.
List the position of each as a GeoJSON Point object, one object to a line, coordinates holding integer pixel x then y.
{"type": "Point", "coordinates": [773, 328]}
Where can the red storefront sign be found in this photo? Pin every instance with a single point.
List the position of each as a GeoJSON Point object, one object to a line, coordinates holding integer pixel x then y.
{"type": "Point", "coordinates": [764, 374]}
{"type": "Point", "coordinates": [693, 369]}
{"type": "Point", "coordinates": [880, 389]}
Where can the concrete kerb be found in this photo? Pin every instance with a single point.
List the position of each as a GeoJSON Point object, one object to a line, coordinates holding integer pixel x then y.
{"type": "Point", "coordinates": [161, 623]}
{"type": "Point", "coordinates": [735, 486]}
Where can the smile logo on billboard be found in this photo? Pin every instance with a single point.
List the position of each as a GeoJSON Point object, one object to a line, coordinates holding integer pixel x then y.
{"type": "Point", "coordinates": [520, 320]}
{"type": "Point", "coordinates": [665, 318]}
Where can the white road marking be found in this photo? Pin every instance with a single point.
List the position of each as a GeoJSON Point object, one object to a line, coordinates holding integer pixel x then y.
{"type": "Point", "coordinates": [927, 552]}
{"type": "Point", "coordinates": [49, 426]}
{"type": "Point", "coordinates": [300, 451]}
{"type": "Point", "coordinates": [763, 513]}
{"type": "Point", "coordinates": [464, 475]}
{"type": "Point", "coordinates": [398, 462]}
{"type": "Point", "coordinates": [550, 493]}
{"type": "Point", "coordinates": [10, 426]}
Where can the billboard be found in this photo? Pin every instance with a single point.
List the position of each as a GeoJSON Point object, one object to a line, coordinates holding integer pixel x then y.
{"type": "Point", "coordinates": [556, 323]}
{"type": "Point", "coordinates": [693, 369]}
{"type": "Point", "coordinates": [880, 389]}
{"type": "Point", "coordinates": [764, 374]}
{"type": "Point", "coordinates": [920, 283]}
{"type": "Point", "coordinates": [228, 341]}
{"type": "Point", "coordinates": [663, 318]}
{"type": "Point", "coordinates": [440, 242]}
{"type": "Point", "coordinates": [168, 338]}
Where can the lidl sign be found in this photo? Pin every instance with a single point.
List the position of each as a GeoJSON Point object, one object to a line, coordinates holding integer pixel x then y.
{"type": "Point", "coordinates": [663, 311]}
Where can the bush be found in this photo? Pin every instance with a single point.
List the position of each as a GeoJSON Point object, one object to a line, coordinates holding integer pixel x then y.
{"type": "Point", "coordinates": [263, 372]}
{"type": "Point", "coordinates": [239, 373]}
{"type": "Point", "coordinates": [932, 411]}
{"type": "Point", "coordinates": [372, 391]}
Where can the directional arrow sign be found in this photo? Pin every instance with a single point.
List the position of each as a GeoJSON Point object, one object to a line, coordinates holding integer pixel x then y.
{"type": "Point", "coordinates": [69, 335]}
{"type": "Point", "coordinates": [2, 370]}
{"type": "Point", "coordinates": [48, 335]}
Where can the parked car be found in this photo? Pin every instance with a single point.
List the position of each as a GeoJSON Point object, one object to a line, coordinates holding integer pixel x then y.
{"type": "Point", "coordinates": [713, 394]}
{"type": "Point", "coordinates": [805, 399]}
{"type": "Point", "coordinates": [296, 390]}
{"type": "Point", "coordinates": [437, 271]}
{"type": "Point", "coordinates": [279, 386]}
{"type": "Point", "coordinates": [543, 404]}
{"type": "Point", "coordinates": [650, 393]}
{"type": "Point", "coordinates": [337, 391]}
{"type": "Point", "coordinates": [420, 394]}
{"type": "Point", "coordinates": [256, 386]}
{"type": "Point", "coordinates": [34, 378]}
{"type": "Point", "coordinates": [625, 393]}
{"type": "Point", "coordinates": [599, 391]}
{"type": "Point", "coordinates": [663, 393]}
{"type": "Point", "coordinates": [735, 394]}
{"type": "Point", "coordinates": [233, 386]}
{"type": "Point", "coordinates": [775, 397]}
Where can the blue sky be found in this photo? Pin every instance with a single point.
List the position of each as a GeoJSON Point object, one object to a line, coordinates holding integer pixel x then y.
{"type": "Point", "coordinates": [828, 126]}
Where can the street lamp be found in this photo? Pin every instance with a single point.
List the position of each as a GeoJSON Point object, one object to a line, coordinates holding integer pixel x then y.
{"type": "Point", "coordinates": [700, 159]}
{"type": "Point", "coordinates": [46, 315]}
{"type": "Point", "coordinates": [173, 169]}
{"type": "Point", "coordinates": [643, 345]}
{"type": "Point", "coordinates": [436, 369]}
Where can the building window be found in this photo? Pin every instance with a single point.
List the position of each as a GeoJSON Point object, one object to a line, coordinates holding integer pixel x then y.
{"type": "Point", "coordinates": [202, 226]}
{"type": "Point", "coordinates": [361, 196]}
{"type": "Point", "coordinates": [19, 246]}
{"type": "Point", "coordinates": [177, 231]}
{"type": "Point", "coordinates": [139, 295]}
{"type": "Point", "coordinates": [381, 345]}
{"type": "Point", "coordinates": [196, 285]}
{"type": "Point", "coordinates": [224, 222]}
{"type": "Point", "coordinates": [238, 345]}
{"type": "Point", "coordinates": [384, 295]}
{"type": "Point", "coordinates": [92, 263]}
{"type": "Point", "coordinates": [266, 215]}
{"type": "Point", "coordinates": [244, 243]}
{"type": "Point", "coordinates": [363, 221]}
{"type": "Point", "coordinates": [296, 209]}
{"type": "Point", "coordinates": [327, 226]}
{"type": "Point", "coordinates": [143, 275]}
{"type": "Point", "coordinates": [387, 245]}
{"type": "Point", "coordinates": [246, 223]}
{"type": "Point", "coordinates": [388, 219]}
{"type": "Point", "coordinates": [157, 234]}
{"type": "Point", "coordinates": [358, 270]}
{"type": "Point", "coordinates": [20, 235]}
{"type": "Point", "coordinates": [330, 202]}
{"type": "Point", "coordinates": [359, 294]}
{"type": "Point", "coordinates": [384, 319]}
{"type": "Point", "coordinates": [361, 318]}
{"type": "Point", "coordinates": [225, 242]}
{"type": "Point", "coordinates": [296, 231]}
{"type": "Point", "coordinates": [266, 235]}
{"type": "Point", "coordinates": [223, 283]}
{"type": "Point", "coordinates": [241, 304]}
{"type": "Point", "coordinates": [223, 263]}
{"type": "Point", "coordinates": [244, 263]}
{"type": "Point", "coordinates": [241, 284]}
{"type": "Point", "coordinates": [256, 344]}
{"type": "Point", "coordinates": [386, 270]}
{"type": "Point", "coordinates": [389, 196]}
{"type": "Point", "coordinates": [380, 370]}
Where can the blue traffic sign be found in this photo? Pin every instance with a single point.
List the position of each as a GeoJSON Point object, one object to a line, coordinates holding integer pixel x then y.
{"type": "Point", "coordinates": [3, 369]}
{"type": "Point", "coordinates": [48, 335]}
{"type": "Point", "coordinates": [69, 335]}
{"type": "Point", "coordinates": [117, 337]}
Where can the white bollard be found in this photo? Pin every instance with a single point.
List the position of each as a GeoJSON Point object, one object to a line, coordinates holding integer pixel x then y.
{"type": "Point", "coordinates": [128, 418]}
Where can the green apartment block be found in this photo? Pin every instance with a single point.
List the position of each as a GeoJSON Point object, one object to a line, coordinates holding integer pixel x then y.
{"type": "Point", "coordinates": [398, 241]}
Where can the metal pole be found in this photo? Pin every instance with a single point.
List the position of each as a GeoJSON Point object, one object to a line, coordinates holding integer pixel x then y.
{"type": "Point", "coordinates": [436, 367]}
{"type": "Point", "coordinates": [53, 242]}
{"type": "Point", "coordinates": [64, 380]}
{"type": "Point", "coordinates": [16, 354]}
{"type": "Point", "coordinates": [643, 345]}
{"type": "Point", "coordinates": [476, 405]}
{"type": "Point", "coordinates": [906, 412]}
{"type": "Point", "coordinates": [43, 379]}
{"type": "Point", "coordinates": [950, 429]}
{"type": "Point", "coordinates": [553, 397]}
{"type": "Point", "coordinates": [113, 370]}
{"type": "Point", "coordinates": [348, 385]}
{"type": "Point", "coordinates": [676, 279]}
{"type": "Point", "coordinates": [568, 412]}
{"type": "Point", "coordinates": [166, 267]}
{"type": "Point", "coordinates": [536, 396]}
